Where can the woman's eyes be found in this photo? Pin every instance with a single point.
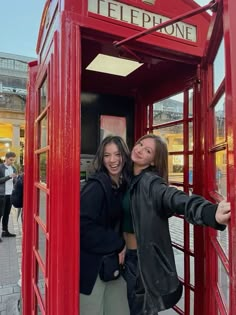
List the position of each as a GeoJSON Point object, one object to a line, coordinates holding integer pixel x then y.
{"type": "Point", "coordinates": [116, 154]}
{"type": "Point", "coordinates": [146, 149]}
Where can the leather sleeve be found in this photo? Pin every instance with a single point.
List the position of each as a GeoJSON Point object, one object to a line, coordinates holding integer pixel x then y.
{"type": "Point", "coordinates": [196, 209]}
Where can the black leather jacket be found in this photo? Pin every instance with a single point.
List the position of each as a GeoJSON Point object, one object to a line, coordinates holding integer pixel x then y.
{"type": "Point", "coordinates": [152, 203]}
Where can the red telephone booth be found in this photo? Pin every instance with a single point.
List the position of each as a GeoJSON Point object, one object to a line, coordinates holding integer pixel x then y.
{"type": "Point", "coordinates": [178, 81]}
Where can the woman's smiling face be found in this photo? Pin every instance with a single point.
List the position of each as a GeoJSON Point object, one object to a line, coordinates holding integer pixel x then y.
{"type": "Point", "coordinates": [143, 153]}
{"type": "Point", "coordinates": [112, 160]}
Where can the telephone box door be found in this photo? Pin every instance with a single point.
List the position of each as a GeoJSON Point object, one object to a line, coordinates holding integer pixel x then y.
{"type": "Point", "coordinates": [217, 94]}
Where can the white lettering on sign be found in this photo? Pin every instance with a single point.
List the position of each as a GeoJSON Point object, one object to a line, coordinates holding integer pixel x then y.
{"type": "Point", "coordinates": [138, 17]}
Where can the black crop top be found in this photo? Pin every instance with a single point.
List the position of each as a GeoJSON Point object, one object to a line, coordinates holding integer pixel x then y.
{"type": "Point", "coordinates": [127, 225]}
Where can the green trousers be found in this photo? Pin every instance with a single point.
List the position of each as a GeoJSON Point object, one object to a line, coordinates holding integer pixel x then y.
{"type": "Point", "coordinates": [107, 298]}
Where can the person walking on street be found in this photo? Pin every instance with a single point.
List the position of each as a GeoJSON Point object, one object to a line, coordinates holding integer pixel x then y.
{"type": "Point", "coordinates": [7, 175]}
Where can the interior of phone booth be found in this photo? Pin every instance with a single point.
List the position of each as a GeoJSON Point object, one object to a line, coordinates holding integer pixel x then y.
{"type": "Point", "coordinates": [110, 103]}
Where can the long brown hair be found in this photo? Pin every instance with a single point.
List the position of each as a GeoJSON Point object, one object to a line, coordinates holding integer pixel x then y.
{"type": "Point", "coordinates": [160, 156]}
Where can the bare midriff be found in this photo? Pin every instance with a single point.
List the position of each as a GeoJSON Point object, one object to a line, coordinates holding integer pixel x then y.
{"type": "Point", "coordinates": [130, 240]}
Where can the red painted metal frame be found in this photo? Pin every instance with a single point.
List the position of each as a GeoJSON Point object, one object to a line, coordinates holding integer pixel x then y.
{"type": "Point", "coordinates": [64, 139]}
{"type": "Point", "coordinates": [229, 22]}
{"type": "Point", "coordinates": [64, 160]}
{"type": "Point", "coordinates": [213, 249]}
{"type": "Point", "coordinates": [167, 23]}
{"type": "Point", "coordinates": [27, 263]}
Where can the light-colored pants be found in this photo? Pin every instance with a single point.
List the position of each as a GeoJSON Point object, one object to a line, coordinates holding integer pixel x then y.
{"type": "Point", "coordinates": [107, 298]}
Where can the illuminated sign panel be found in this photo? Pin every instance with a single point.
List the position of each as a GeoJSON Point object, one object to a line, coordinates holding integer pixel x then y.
{"type": "Point", "coordinates": [138, 17]}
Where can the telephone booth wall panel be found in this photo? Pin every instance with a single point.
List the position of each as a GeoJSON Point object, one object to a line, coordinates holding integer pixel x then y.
{"type": "Point", "coordinates": [218, 96]}
{"type": "Point", "coordinates": [27, 242]}
{"type": "Point", "coordinates": [65, 158]}
{"type": "Point", "coordinates": [70, 36]}
{"type": "Point", "coordinates": [230, 86]}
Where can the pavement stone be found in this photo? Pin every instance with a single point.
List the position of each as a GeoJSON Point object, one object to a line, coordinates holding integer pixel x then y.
{"type": "Point", "coordinates": [10, 267]}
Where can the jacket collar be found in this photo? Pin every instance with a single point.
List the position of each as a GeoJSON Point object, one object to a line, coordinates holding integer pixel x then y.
{"type": "Point", "coordinates": [137, 178]}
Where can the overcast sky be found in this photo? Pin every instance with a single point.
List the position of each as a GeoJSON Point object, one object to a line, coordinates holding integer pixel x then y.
{"type": "Point", "coordinates": [19, 25]}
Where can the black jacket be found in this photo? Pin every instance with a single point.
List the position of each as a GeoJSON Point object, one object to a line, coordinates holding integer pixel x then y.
{"type": "Point", "coordinates": [17, 192]}
{"type": "Point", "coordinates": [100, 217]}
{"type": "Point", "coordinates": [152, 203]}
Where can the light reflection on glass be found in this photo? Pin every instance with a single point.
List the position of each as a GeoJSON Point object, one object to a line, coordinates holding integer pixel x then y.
{"type": "Point", "coordinates": [170, 109]}
{"type": "Point", "coordinates": [219, 66]}
{"type": "Point", "coordinates": [43, 96]}
{"type": "Point", "coordinates": [219, 117]}
{"type": "Point", "coordinates": [221, 172]}
{"type": "Point", "coordinates": [173, 136]}
{"type": "Point", "coordinates": [223, 282]}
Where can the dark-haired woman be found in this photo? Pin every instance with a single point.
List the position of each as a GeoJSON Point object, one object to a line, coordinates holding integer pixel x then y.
{"type": "Point", "coordinates": [150, 270]}
{"type": "Point", "coordinates": [100, 231]}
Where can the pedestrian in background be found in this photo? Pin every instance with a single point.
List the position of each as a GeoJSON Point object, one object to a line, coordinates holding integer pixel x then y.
{"type": "Point", "coordinates": [7, 175]}
{"type": "Point", "coordinates": [17, 195]}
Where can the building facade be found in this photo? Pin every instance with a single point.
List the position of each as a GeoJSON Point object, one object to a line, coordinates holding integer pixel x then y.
{"type": "Point", "coordinates": [13, 80]}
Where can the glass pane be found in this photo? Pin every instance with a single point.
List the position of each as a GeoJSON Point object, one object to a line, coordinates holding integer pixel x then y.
{"type": "Point", "coordinates": [173, 136]}
{"type": "Point", "coordinates": [169, 312]}
{"type": "Point", "coordinates": [219, 124]}
{"type": "Point", "coordinates": [190, 103]}
{"type": "Point", "coordinates": [148, 116]}
{"type": "Point", "coordinates": [42, 244]}
{"type": "Point", "coordinates": [41, 283]}
{"type": "Point", "coordinates": [179, 261]}
{"type": "Point", "coordinates": [42, 205]}
{"type": "Point", "coordinates": [176, 168]}
{"type": "Point", "coordinates": [223, 239]}
{"type": "Point", "coordinates": [43, 96]}
{"type": "Point", "coordinates": [221, 172]}
{"type": "Point", "coordinates": [43, 127]}
{"type": "Point", "coordinates": [191, 237]}
{"type": "Point", "coordinates": [223, 282]}
{"type": "Point", "coordinates": [43, 167]}
{"type": "Point", "coordinates": [38, 310]}
{"type": "Point", "coordinates": [190, 135]}
{"type": "Point", "coordinates": [167, 110]}
{"type": "Point", "coordinates": [177, 230]}
{"type": "Point", "coordinates": [190, 172]}
{"type": "Point", "coordinates": [219, 66]}
{"type": "Point", "coordinates": [191, 302]}
{"type": "Point", "coordinates": [180, 304]}
{"type": "Point", "coordinates": [192, 267]}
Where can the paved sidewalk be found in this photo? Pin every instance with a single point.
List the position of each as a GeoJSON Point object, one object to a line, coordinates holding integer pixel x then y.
{"type": "Point", "coordinates": [10, 266]}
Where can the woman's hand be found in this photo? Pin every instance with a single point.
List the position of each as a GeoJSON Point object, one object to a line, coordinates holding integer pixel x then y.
{"type": "Point", "coordinates": [122, 256]}
{"type": "Point", "coordinates": [223, 212]}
